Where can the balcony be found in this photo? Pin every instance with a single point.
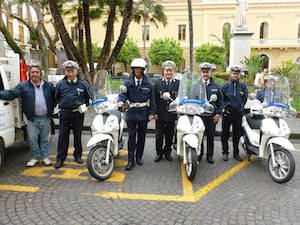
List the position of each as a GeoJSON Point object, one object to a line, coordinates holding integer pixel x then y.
{"type": "Point", "coordinates": [275, 43]}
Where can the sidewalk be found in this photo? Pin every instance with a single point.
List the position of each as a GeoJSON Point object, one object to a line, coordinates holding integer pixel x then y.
{"type": "Point", "coordinates": [293, 123]}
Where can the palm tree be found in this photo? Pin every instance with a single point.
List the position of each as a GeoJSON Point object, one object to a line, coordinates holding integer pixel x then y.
{"type": "Point", "coordinates": [148, 11]}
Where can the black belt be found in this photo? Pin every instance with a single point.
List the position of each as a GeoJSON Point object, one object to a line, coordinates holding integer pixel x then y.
{"type": "Point", "coordinates": [69, 110]}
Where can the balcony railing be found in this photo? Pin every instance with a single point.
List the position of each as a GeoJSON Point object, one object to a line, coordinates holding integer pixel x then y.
{"type": "Point", "coordinates": [275, 43]}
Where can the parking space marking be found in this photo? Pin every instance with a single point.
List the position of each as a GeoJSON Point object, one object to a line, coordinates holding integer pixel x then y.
{"type": "Point", "coordinates": [19, 188]}
{"type": "Point", "coordinates": [297, 150]}
{"type": "Point", "coordinates": [188, 195]}
{"type": "Point", "coordinates": [187, 186]}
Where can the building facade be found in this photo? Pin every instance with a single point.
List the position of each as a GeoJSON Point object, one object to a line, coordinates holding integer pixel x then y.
{"type": "Point", "coordinates": [275, 25]}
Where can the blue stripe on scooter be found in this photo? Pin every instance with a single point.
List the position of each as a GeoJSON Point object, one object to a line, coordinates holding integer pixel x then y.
{"type": "Point", "coordinates": [99, 100]}
{"type": "Point", "coordinates": [281, 105]}
{"type": "Point", "coordinates": [192, 101]}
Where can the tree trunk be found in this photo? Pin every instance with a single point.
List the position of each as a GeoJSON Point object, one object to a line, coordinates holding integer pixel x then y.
{"type": "Point", "coordinates": [123, 34]}
{"type": "Point", "coordinates": [89, 47]}
{"type": "Point", "coordinates": [8, 37]}
{"type": "Point", "coordinates": [70, 48]}
{"type": "Point", "coordinates": [41, 38]}
{"type": "Point", "coordinates": [191, 34]}
{"type": "Point", "coordinates": [102, 60]}
{"type": "Point", "coordinates": [80, 32]}
{"type": "Point", "coordinates": [144, 37]}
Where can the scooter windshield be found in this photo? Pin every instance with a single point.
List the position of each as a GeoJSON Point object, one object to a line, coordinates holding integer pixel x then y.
{"type": "Point", "coordinates": [277, 94]}
{"type": "Point", "coordinates": [192, 97]}
{"type": "Point", "coordinates": [101, 86]}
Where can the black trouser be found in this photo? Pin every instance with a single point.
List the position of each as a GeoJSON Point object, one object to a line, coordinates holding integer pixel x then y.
{"type": "Point", "coordinates": [210, 129]}
{"type": "Point", "coordinates": [164, 129]}
{"type": "Point", "coordinates": [236, 121]}
{"type": "Point", "coordinates": [68, 121]}
{"type": "Point", "coordinates": [136, 145]}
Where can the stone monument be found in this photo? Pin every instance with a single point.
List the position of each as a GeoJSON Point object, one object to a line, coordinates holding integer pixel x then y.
{"type": "Point", "coordinates": [240, 40]}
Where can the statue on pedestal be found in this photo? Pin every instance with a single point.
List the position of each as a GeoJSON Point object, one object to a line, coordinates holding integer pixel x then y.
{"type": "Point", "coordinates": [241, 16]}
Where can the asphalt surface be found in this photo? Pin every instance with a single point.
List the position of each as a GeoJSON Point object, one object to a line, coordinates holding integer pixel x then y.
{"type": "Point", "coordinates": [155, 193]}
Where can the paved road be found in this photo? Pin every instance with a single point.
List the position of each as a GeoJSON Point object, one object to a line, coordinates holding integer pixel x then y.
{"type": "Point", "coordinates": [155, 193]}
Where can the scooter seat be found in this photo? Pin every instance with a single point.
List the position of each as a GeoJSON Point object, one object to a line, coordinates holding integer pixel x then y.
{"type": "Point", "coordinates": [254, 121]}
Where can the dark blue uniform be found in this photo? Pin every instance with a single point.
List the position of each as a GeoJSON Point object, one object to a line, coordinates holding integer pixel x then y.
{"type": "Point", "coordinates": [235, 96]}
{"type": "Point", "coordinates": [137, 117]}
{"type": "Point", "coordinates": [166, 121]}
{"type": "Point", "coordinates": [210, 126]}
{"type": "Point", "coordinates": [70, 96]}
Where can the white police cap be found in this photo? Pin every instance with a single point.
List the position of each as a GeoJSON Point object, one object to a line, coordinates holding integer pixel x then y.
{"type": "Point", "coordinates": [139, 63]}
{"type": "Point", "coordinates": [69, 64]}
{"type": "Point", "coordinates": [169, 64]}
{"type": "Point", "coordinates": [236, 68]}
{"type": "Point", "coordinates": [206, 65]}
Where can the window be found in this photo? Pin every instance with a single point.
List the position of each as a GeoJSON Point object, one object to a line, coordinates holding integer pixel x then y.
{"type": "Point", "coordinates": [74, 33]}
{"type": "Point", "coordinates": [226, 26]}
{"type": "Point", "coordinates": [20, 14]}
{"type": "Point", "coordinates": [181, 32]}
{"type": "Point", "coordinates": [21, 34]}
{"type": "Point", "coordinates": [299, 31]}
{"type": "Point", "coordinates": [147, 32]}
{"type": "Point", "coordinates": [263, 30]}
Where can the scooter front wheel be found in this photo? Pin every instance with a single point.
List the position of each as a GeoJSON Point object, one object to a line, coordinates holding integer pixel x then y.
{"type": "Point", "coordinates": [191, 164]}
{"type": "Point", "coordinates": [96, 163]}
{"type": "Point", "coordinates": [285, 168]}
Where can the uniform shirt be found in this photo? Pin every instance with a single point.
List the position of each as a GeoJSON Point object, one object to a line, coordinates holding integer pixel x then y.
{"type": "Point", "coordinates": [142, 93]}
{"type": "Point", "coordinates": [138, 81]}
{"type": "Point", "coordinates": [211, 88]}
{"type": "Point", "coordinates": [162, 106]}
{"type": "Point", "coordinates": [70, 95]}
{"type": "Point", "coordinates": [235, 96]}
{"type": "Point", "coordinates": [40, 105]}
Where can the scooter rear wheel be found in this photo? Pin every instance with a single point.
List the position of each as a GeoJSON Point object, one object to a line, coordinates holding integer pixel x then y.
{"type": "Point", "coordinates": [191, 164]}
{"type": "Point", "coordinates": [96, 163]}
{"type": "Point", "coordinates": [286, 166]}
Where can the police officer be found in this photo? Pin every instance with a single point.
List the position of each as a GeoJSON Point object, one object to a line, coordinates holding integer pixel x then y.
{"type": "Point", "coordinates": [209, 121]}
{"type": "Point", "coordinates": [235, 96]}
{"type": "Point", "coordinates": [73, 95]}
{"type": "Point", "coordinates": [165, 121]}
{"type": "Point", "coordinates": [141, 109]}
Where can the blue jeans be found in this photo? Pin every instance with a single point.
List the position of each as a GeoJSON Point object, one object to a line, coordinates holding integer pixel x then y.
{"type": "Point", "coordinates": [39, 126]}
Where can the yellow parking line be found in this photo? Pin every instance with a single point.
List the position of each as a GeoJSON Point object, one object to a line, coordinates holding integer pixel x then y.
{"type": "Point", "coordinates": [187, 189]}
{"type": "Point", "coordinates": [18, 188]}
{"type": "Point", "coordinates": [69, 157]}
{"type": "Point", "coordinates": [187, 186]}
{"type": "Point", "coordinates": [297, 150]}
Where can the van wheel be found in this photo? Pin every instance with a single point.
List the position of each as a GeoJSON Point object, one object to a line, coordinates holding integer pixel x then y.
{"type": "Point", "coordinates": [1, 156]}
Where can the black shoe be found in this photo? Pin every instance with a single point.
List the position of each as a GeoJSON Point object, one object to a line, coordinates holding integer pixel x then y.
{"type": "Point", "coordinates": [59, 164]}
{"type": "Point", "coordinates": [129, 166]}
{"type": "Point", "coordinates": [158, 158]}
{"type": "Point", "coordinates": [168, 157]}
{"type": "Point", "coordinates": [225, 157]}
{"type": "Point", "coordinates": [199, 158]}
{"type": "Point", "coordinates": [78, 160]}
{"type": "Point", "coordinates": [238, 157]}
{"type": "Point", "coordinates": [139, 162]}
{"type": "Point", "coordinates": [209, 159]}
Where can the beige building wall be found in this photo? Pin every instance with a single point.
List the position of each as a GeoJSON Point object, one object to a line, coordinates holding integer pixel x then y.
{"type": "Point", "coordinates": [209, 17]}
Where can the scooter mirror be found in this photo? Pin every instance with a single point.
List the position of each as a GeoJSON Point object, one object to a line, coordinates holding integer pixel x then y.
{"type": "Point", "coordinates": [123, 89]}
{"type": "Point", "coordinates": [166, 96]}
{"type": "Point", "coordinates": [252, 96]}
{"type": "Point", "coordinates": [213, 98]}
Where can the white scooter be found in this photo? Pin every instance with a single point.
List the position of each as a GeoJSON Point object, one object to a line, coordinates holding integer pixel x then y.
{"type": "Point", "coordinates": [190, 127]}
{"type": "Point", "coordinates": [107, 129]}
{"type": "Point", "coordinates": [266, 133]}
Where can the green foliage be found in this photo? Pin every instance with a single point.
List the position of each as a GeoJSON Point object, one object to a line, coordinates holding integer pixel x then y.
{"type": "Point", "coordinates": [222, 75]}
{"type": "Point", "coordinates": [128, 52]}
{"type": "Point", "coordinates": [168, 49]}
{"type": "Point", "coordinates": [285, 69]}
{"type": "Point", "coordinates": [210, 53]}
{"type": "Point", "coordinates": [96, 51]}
{"type": "Point", "coordinates": [253, 64]}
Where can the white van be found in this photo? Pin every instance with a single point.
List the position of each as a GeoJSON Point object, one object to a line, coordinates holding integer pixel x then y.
{"type": "Point", "coordinates": [12, 121]}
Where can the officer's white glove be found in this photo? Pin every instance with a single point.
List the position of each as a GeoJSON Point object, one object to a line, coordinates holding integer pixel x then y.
{"type": "Point", "coordinates": [82, 108]}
